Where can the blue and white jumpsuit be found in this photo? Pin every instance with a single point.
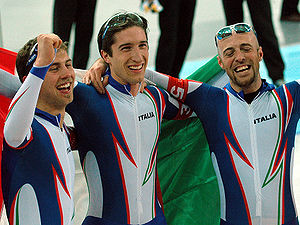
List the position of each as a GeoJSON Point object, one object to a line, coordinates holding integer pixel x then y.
{"type": "Point", "coordinates": [37, 162]}
{"type": "Point", "coordinates": [252, 146]}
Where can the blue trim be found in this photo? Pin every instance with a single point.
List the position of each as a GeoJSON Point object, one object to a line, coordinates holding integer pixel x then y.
{"type": "Point", "coordinates": [40, 71]}
{"type": "Point", "coordinates": [55, 120]}
{"type": "Point", "coordinates": [124, 88]}
{"type": "Point", "coordinates": [265, 87]}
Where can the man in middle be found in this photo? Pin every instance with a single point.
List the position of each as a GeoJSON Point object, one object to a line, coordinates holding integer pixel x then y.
{"type": "Point", "coordinates": [118, 132]}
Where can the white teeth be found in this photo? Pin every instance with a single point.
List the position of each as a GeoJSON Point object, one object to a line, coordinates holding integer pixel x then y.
{"type": "Point", "coordinates": [64, 85]}
{"type": "Point", "coordinates": [136, 67]}
{"type": "Point", "coordinates": [241, 68]}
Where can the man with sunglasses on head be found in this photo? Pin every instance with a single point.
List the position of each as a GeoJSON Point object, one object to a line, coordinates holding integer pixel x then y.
{"type": "Point", "coordinates": [261, 17]}
{"type": "Point", "coordinates": [250, 127]}
{"type": "Point", "coordinates": [37, 162]}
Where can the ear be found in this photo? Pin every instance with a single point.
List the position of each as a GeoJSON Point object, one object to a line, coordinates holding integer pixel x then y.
{"type": "Point", "coordinates": [220, 62]}
{"type": "Point", "coordinates": [105, 56]}
{"type": "Point", "coordinates": [260, 53]}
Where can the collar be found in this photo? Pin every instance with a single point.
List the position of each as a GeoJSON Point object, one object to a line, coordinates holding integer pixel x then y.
{"type": "Point", "coordinates": [124, 88]}
{"type": "Point", "coordinates": [55, 120]}
{"type": "Point", "coordinates": [264, 87]}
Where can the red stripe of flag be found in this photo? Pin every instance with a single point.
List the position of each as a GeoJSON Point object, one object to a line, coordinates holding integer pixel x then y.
{"type": "Point", "coordinates": [7, 63]}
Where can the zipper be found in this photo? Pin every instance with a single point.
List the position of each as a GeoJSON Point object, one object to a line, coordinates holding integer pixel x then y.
{"type": "Point", "coordinates": [138, 148]}
{"type": "Point", "coordinates": [67, 168]}
{"type": "Point", "coordinates": [254, 150]}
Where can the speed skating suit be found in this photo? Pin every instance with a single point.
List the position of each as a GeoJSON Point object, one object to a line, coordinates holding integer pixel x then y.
{"type": "Point", "coordinates": [37, 162]}
{"type": "Point", "coordinates": [252, 146]}
{"type": "Point", "coordinates": [117, 142]}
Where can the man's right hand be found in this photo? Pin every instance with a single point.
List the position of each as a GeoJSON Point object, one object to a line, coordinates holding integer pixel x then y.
{"type": "Point", "coordinates": [47, 43]}
{"type": "Point", "coordinates": [94, 76]}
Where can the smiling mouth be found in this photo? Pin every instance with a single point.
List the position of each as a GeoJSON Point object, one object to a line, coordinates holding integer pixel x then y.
{"type": "Point", "coordinates": [241, 68]}
{"type": "Point", "coordinates": [136, 67]}
{"type": "Point", "coordinates": [66, 87]}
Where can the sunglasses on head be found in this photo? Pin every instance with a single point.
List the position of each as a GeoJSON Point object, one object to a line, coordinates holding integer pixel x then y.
{"type": "Point", "coordinates": [120, 19]}
{"type": "Point", "coordinates": [32, 55]}
{"type": "Point", "coordinates": [226, 32]}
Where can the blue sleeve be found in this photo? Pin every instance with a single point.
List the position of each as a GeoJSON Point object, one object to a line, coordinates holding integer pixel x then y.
{"type": "Point", "coordinates": [205, 99]}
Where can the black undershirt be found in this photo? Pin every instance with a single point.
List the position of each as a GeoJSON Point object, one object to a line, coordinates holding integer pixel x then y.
{"type": "Point", "coordinates": [249, 97]}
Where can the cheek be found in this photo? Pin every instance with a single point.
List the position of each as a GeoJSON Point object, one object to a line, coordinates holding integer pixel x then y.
{"type": "Point", "coordinates": [225, 64]}
{"type": "Point", "coordinates": [49, 83]}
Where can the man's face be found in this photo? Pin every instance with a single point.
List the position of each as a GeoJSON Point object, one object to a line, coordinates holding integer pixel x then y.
{"type": "Point", "coordinates": [239, 56]}
{"type": "Point", "coordinates": [129, 56]}
{"type": "Point", "coordinates": [57, 88]}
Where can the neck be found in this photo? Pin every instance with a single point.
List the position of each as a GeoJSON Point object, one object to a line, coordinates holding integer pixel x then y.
{"type": "Point", "coordinates": [247, 89]}
{"type": "Point", "coordinates": [134, 89]}
{"type": "Point", "coordinates": [54, 112]}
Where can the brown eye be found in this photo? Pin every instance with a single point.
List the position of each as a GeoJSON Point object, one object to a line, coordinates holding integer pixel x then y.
{"type": "Point", "coordinates": [125, 48]}
{"type": "Point", "coordinates": [229, 54]}
{"type": "Point", "coordinates": [144, 45]}
{"type": "Point", "coordinates": [55, 68]}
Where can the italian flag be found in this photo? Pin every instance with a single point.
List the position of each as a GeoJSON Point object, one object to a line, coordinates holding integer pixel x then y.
{"type": "Point", "coordinates": [187, 178]}
{"type": "Point", "coordinates": [7, 63]}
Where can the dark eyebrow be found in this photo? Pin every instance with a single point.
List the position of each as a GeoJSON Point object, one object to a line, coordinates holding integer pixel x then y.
{"type": "Point", "coordinates": [57, 63]}
{"type": "Point", "coordinates": [143, 42]}
{"type": "Point", "coordinates": [246, 45]}
{"type": "Point", "coordinates": [69, 60]}
{"type": "Point", "coordinates": [125, 44]}
{"type": "Point", "coordinates": [242, 45]}
{"type": "Point", "coordinates": [228, 49]}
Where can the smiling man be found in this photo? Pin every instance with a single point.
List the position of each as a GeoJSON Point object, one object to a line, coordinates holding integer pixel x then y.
{"type": "Point", "coordinates": [250, 127]}
{"type": "Point", "coordinates": [118, 131]}
{"type": "Point", "coordinates": [37, 162]}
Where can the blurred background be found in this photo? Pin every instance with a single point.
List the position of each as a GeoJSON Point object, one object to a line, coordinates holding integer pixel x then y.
{"type": "Point", "coordinates": [22, 20]}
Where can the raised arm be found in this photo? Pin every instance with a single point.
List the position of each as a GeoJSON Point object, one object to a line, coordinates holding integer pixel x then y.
{"type": "Point", "coordinates": [22, 108]}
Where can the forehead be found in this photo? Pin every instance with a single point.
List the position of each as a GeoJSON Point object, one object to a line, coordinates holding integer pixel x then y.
{"type": "Point", "coordinates": [61, 56]}
{"type": "Point", "coordinates": [130, 35]}
{"type": "Point", "coordinates": [236, 40]}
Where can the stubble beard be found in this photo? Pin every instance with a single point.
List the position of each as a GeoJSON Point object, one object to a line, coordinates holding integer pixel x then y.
{"type": "Point", "coordinates": [243, 84]}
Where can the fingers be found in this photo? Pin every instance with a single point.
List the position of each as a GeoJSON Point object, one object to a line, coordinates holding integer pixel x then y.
{"type": "Point", "coordinates": [105, 81]}
{"type": "Point", "coordinates": [87, 77]}
{"type": "Point", "coordinates": [94, 76]}
{"type": "Point", "coordinates": [46, 48]}
{"type": "Point", "coordinates": [91, 77]}
{"type": "Point", "coordinates": [50, 40]}
{"type": "Point", "coordinates": [143, 86]}
{"type": "Point", "coordinates": [98, 85]}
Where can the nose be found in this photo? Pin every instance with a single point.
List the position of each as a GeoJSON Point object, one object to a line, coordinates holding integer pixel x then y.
{"type": "Point", "coordinates": [67, 72]}
{"type": "Point", "coordinates": [137, 55]}
{"type": "Point", "coordinates": [240, 56]}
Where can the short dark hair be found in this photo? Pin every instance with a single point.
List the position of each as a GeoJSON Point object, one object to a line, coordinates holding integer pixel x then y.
{"type": "Point", "coordinates": [118, 22]}
{"type": "Point", "coordinates": [22, 62]}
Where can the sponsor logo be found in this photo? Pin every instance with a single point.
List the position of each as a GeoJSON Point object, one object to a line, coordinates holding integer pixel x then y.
{"type": "Point", "coordinates": [265, 118]}
{"type": "Point", "coordinates": [146, 116]}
